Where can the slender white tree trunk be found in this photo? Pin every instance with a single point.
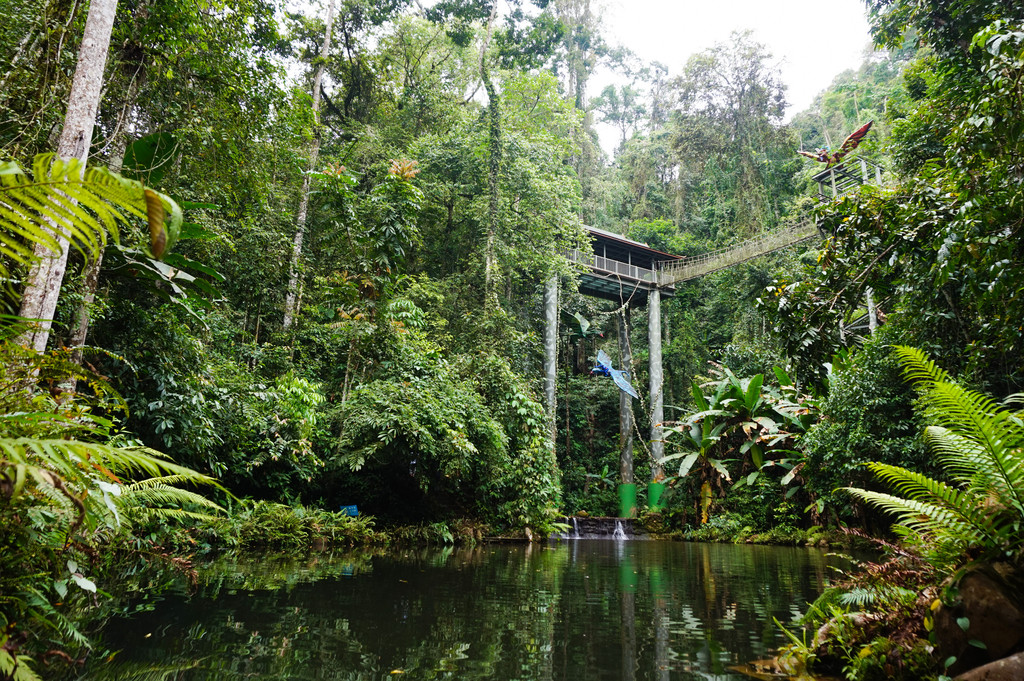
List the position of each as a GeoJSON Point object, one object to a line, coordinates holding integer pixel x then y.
{"type": "Point", "coordinates": [493, 163]}
{"type": "Point", "coordinates": [80, 330]}
{"type": "Point", "coordinates": [292, 296]}
{"type": "Point", "coordinates": [872, 312]}
{"type": "Point", "coordinates": [39, 301]}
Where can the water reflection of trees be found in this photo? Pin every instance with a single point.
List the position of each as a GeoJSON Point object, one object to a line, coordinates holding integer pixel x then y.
{"type": "Point", "coordinates": [594, 610]}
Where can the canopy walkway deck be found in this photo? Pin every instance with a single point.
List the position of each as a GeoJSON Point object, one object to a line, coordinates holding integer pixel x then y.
{"type": "Point", "coordinates": [620, 268]}
{"type": "Point", "coordinates": [845, 177]}
{"type": "Point", "coordinates": [673, 271]}
{"type": "Point", "coordinates": [624, 276]}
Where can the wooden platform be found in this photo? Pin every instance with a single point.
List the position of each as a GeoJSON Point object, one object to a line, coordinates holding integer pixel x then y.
{"type": "Point", "coordinates": [620, 269]}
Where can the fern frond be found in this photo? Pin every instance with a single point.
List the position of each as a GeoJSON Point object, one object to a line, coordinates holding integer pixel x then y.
{"type": "Point", "coordinates": [883, 595]}
{"type": "Point", "coordinates": [918, 367]}
{"type": "Point", "coordinates": [963, 504]}
{"type": "Point", "coordinates": [919, 486]}
{"type": "Point", "coordinates": [71, 459]}
{"type": "Point", "coordinates": [996, 433]}
{"type": "Point", "coordinates": [82, 207]}
{"type": "Point", "coordinates": [162, 481]}
{"type": "Point", "coordinates": [930, 519]}
{"type": "Point", "coordinates": [998, 473]}
{"type": "Point", "coordinates": [16, 667]}
{"type": "Point", "coordinates": [59, 501]}
{"type": "Point", "coordinates": [68, 470]}
{"type": "Point", "coordinates": [161, 499]}
{"type": "Point", "coordinates": [143, 516]}
{"type": "Point", "coordinates": [40, 606]}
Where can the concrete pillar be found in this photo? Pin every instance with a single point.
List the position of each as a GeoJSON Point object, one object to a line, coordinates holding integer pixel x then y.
{"type": "Point", "coordinates": [657, 379]}
{"type": "Point", "coordinates": [625, 401]}
{"type": "Point", "coordinates": [551, 351]}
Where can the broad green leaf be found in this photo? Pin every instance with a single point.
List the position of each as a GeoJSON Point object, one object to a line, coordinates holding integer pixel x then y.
{"type": "Point", "coordinates": [687, 464]}
{"type": "Point", "coordinates": [81, 581]}
{"type": "Point", "coordinates": [753, 393]}
{"type": "Point", "coordinates": [782, 377]}
{"type": "Point", "coordinates": [720, 467]}
{"type": "Point", "coordinates": [698, 397]}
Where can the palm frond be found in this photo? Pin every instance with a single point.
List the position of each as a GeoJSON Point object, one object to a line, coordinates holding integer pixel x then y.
{"type": "Point", "coordinates": [80, 206]}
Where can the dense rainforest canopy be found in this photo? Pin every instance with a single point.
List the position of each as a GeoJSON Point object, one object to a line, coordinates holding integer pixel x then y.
{"type": "Point", "coordinates": [372, 196]}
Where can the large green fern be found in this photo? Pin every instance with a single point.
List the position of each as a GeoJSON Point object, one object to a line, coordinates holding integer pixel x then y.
{"type": "Point", "coordinates": [980, 445]}
{"type": "Point", "coordinates": [96, 479]}
{"type": "Point", "coordinates": [159, 498]}
{"type": "Point", "coordinates": [83, 207]}
{"type": "Point", "coordinates": [52, 485]}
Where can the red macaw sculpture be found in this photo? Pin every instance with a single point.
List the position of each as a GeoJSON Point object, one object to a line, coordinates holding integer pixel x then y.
{"type": "Point", "coordinates": [830, 158]}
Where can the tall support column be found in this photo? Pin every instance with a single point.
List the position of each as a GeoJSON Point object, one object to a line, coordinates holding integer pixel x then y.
{"type": "Point", "coordinates": [625, 401]}
{"type": "Point", "coordinates": [657, 381]}
{"type": "Point", "coordinates": [551, 352]}
{"type": "Point", "coordinates": [627, 488]}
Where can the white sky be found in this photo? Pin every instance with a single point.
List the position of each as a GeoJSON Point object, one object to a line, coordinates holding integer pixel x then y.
{"type": "Point", "coordinates": [812, 41]}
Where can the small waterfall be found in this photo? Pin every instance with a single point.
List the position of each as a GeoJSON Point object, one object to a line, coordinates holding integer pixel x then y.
{"type": "Point", "coordinates": [574, 533]}
{"type": "Point", "coordinates": [589, 527]}
{"type": "Point", "coordinates": [620, 533]}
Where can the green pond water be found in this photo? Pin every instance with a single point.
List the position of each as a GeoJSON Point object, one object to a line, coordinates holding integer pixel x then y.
{"type": "Point", "coordinates": [573, 610]}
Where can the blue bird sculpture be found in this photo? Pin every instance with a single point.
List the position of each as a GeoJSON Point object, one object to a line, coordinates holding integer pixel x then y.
{"type": "Point", "coordinates": [604, 368]}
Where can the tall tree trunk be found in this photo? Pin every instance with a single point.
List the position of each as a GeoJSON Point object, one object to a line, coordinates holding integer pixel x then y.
{"type": "Point", "coordinates": [494, 163]}
{"type": "Point", "coordinates": [292, 296]}
{"type": "Point", "coordinates": [39, 301]}
{"type": "Point", "coordinates": [118, 145]}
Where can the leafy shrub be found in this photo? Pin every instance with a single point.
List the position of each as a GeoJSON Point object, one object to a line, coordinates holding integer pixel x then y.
{"type": "Point", "coordinates": [266, 524]}
{"type": "Point", "coordinates": [867, 416]}
{"type": "Point", "coordinates": [722, 527]}
{"type": "Point", "coordinates": [451, 436]}
{"type": "Point", "coordinates": [429, 423]}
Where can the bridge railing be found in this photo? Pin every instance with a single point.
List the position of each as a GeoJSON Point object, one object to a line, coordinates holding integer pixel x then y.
{"type": "Point", "coordinates": [671, 271]}
{"type": "Point", "coordinates": [668, 272]}
{"type": "Point", "coordinates": [613, 267]}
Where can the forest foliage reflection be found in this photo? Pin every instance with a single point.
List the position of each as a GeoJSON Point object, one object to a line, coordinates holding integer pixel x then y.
{"type": "Point", "coordinates": [579, 609]}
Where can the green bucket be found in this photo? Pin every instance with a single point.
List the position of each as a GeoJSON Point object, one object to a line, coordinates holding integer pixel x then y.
{"type": "Point", "coordinates": [627, 500]}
